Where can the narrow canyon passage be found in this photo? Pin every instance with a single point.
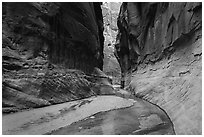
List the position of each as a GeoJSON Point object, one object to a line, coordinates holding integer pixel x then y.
{"type": "Point", "coordinates": [101, 68]}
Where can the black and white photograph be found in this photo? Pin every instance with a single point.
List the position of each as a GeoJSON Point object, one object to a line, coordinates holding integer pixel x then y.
{"type": "Point", "coordinates": [101, 68]}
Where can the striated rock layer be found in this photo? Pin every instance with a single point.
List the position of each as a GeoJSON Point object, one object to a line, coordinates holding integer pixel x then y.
{"type": "Point", "coordinates": [49, 50]}
{"type": "Point", "coordinates": [160, 45]}
{"type": "Point", "coordinates": [70, 33]}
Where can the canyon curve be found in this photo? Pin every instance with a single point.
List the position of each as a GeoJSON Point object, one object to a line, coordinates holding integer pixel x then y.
{"type": "Point", "coordinates": [102, 68]}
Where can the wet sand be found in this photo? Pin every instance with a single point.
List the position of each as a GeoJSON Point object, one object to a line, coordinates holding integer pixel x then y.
{"type": "Point", "coordinates": [101, 115]}
{"type": "Point", "coordinates": [140, 119]}
{"type": "Point", "coordinates": [43, 120]}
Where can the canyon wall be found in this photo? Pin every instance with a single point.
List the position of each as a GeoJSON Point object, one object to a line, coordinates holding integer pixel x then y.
{"type": "Point", "coordinates": [70, 33]}
{"type": "Point", "coordinates": [111, 66]}
{"type": "Point", "coordinates": [160, 45]}
{"type": "Point", "coordinates": [50, 53]}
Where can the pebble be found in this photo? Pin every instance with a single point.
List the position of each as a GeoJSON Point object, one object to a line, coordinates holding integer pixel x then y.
{"type": "Point", "coordinates": [80, 127]}
{"type": "Point", "coordinates": [92, 117]}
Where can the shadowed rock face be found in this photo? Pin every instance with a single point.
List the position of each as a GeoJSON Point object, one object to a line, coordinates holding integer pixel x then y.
{"type": "Point", "coordinates": [47, 47]}
{"type": "Point", "coordinates": [160, 45]}
{"type": "Point", "coordinates": [71, 34]}
{"type": "Point", "coordinates": [149, 31]}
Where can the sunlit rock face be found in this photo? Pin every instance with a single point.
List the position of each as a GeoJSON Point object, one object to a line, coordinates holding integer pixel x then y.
{"type": "Point", "coordinates": [160, 44]}
{"type": "Point", "coordinates": [111, 66]}
{"type": "Point", "coordinates": [41, 41]}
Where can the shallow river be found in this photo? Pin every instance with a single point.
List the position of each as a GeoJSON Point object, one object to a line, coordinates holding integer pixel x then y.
{"type": "Point", "coordinates": [96, 115]}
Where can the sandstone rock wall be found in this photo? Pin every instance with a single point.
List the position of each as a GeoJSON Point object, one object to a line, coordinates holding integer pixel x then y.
{"type": "Point", "coordinates": [148, 31]}
{"type": "Point", "coordinates": [42, 43]}
{"type": "Point", "coordinates": [111, 66]}
{"type": "Point", "coordinates": [160, 44]}
{"type": "Point", "coordinates": [70, 34]}
{"type": "Point", "coordinates": [175, 84]}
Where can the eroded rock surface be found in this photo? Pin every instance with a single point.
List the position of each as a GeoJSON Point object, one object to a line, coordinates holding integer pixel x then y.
{"type": "Point", "coordinates": [148, 32]}
{"type": "Point", "coordinates": [50, 51]}
{"type": "Point", "coordinates": [159, 45]}
{"type": "Point", "coordinates": [176, 86]}
{"type": "Point", "coordinates": [70, 34]}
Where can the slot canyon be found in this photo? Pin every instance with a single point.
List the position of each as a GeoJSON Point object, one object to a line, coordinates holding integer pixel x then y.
{"type": "Point", "coordinates": [102, 68]}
